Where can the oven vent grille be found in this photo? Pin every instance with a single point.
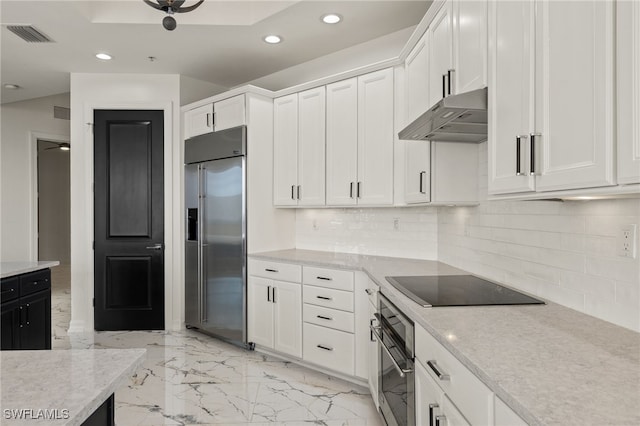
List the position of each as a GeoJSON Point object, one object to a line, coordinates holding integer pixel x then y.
{"type": "Point", "coordinates": [29, 33]}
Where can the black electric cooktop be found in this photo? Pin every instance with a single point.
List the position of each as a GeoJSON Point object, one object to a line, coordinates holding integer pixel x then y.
{"type": "Point", "coordinates": [458, 290]}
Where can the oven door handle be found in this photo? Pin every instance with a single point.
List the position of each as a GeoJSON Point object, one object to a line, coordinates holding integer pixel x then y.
{"type": "Point", "coordinates": [401, 371]}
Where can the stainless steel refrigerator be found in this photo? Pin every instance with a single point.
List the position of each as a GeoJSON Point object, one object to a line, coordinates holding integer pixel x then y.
{"type": "Point", "coordinates": [216, 234]}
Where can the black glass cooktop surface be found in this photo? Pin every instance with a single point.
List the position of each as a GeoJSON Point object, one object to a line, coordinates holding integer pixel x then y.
{"type": "Point", "coordinates": [458, 290]}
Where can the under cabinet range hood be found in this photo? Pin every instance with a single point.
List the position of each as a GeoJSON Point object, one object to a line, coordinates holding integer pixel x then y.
{"type": "Point", "coordinates": [456, 118]}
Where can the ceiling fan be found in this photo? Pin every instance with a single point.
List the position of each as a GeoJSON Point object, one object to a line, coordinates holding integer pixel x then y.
{"type": "Point", "coordinates": [171, 7]}
{"type": "Point", "coordinates": [63, 146]}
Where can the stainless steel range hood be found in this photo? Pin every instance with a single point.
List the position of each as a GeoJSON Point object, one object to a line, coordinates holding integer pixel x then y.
{"type": "Point", "coordinates": [456, 118]}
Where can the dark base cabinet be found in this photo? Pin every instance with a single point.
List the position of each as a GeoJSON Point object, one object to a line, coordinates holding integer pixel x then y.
{"type": "Point", "coordinates": [25, 311]}
{"type": "Point", "coordinates": [104, 415]}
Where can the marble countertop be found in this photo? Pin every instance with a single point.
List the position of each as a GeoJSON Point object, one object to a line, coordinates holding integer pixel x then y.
{"type": "Point", "coordinates": [9, 269]}
{"type": "Point", "coordinates": [550, 364]}
{"type": "Point", "coordinates": [67, 383]}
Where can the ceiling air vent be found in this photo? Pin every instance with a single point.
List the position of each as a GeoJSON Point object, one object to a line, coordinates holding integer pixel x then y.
{"type": "Point", "coordinates": [29, 33]}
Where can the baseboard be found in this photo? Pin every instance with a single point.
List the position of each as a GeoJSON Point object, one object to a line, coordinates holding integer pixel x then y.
{"type": "Point", "coordinates": [78, 326]}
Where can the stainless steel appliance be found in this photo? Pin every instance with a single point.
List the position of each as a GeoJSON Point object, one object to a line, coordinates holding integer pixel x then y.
{"type": "Point", "coordinates": [216, 231]}
{"type": "Point", "coordinates": [455, 118]}
{"type": "Point", "coordinates": [458, 290]}
{"type": "Point", "coordinates": [396, 381]}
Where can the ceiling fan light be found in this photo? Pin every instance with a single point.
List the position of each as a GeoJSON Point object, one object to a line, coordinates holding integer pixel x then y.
{"type": "Point", "coordinates": [103, 56]}
{"type": "Point", "coordinates": [331, 18]}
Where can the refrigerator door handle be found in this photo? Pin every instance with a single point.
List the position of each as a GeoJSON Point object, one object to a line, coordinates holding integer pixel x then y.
{"type": "Point", "coordinates": [201, 307]}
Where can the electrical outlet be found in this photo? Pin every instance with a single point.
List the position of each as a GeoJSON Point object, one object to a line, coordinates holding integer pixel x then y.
{"type": "Point", "coordinates": [627, 241]}
{"type": "Point", "coordinates": [315, 225]}
{"type": "Point", "coordinates": [396, 223]}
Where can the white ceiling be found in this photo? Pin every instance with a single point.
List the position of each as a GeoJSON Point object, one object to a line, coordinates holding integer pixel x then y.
{"type": "Point", "coordinates": [220, 42]}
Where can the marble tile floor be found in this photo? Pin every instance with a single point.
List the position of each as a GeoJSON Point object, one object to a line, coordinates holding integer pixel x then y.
{"type": "Point", "coordinates": [189, 378]}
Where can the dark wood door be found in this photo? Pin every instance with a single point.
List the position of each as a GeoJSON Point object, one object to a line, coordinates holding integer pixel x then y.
{"type": "Point", "coordinates": [10, 325]}
{"type": "Point", "coordinates": [129, 220]}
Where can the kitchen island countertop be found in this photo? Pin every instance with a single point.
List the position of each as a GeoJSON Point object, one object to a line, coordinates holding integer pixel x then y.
{"type": "Point", "coordinates": [61, 387]}
{"type": "Point", "coordinates": [9, 269]}
{"type": "Point", "coordinates": [549, 363]}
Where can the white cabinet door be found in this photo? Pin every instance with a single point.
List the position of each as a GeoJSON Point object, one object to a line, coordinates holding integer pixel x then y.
{"type": "Point", "coordinates": [342, 142]}
{"type": "Point", "coordinates": [285, 150]}
{"type": "Point", "coordinates": [574, 94]}
{"type": "Point", "coordinates": [311, 147]}
{"type": "Point", "coordinates": [260, 312]}
{"type": "Point", "coordinates": [287, 302]}
{"type": "Point", "coordinates": [505, 416]}
{"type": "Point", "coordinates": [417, 182]}
{"type": "Point", "coordinates": [417, 79]}
{"type": "Point", "coordinates": [198, 121]}
{"type": "Point", "coordinates": [511, 100]}
{"type": "Point", "coordinates": [470, 44]}
{"type": "Point", "coordinates": [440, 54]}
{"type": "Point", "coordinates": [428, 397]}
{"type": "Point", "coordinates": [229, 113]}
{"type": "Point", "coordinates": [375, 138]}
{"type": "Point", "coordinates": [628, 91]}
{"type": "Point", "coordinates": [373, 354]}
{"type": "Point", "coordinates": [451, 416]}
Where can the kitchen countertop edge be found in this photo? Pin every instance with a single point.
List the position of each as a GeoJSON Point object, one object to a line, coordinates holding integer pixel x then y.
{"type": "Point", "coordinates": [10, 269]}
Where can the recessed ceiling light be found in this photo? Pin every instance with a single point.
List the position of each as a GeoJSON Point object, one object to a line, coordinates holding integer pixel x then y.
{"type": "Point", "coordinates": [103, 56]}
{"type": "Point", "coordinates": [11, 86]}
{"type": "Point", "coordinates": [272, 39]}
{"type": "Point", "coordinates": [331, 18]}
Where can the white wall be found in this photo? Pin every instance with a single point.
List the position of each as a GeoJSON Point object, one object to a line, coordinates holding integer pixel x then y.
{"type": "Point", "coordinates": [20, 121]}
{"type": "Point", "coordinates": [561, 251]}
{"type": "Point", "coordinates": [192, 90]}
{"type": "Point", "coordinates": [370, 231]}
{"type": "Point", "coordinates": [122, 91]}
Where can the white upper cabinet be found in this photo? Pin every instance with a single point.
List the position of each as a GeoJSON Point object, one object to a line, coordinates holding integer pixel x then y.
{"type": "Point", "coordinates": [511, 101]}
{"type": "Point", "coordinates": [342, 142]}
{"type": "Point", "coordinates": [554, 126]}
{"type": "Point", "coordinates": [469, 45]}
{"type": "Point", "coordinates": [417, 77]}
{"type": "Point", "coordinates": [441, 54]}
{"type": "Point", "coordinates": [574, 95]}
{"type": "Point", "coordinates": [229, 113]}
{"type": "Point", "coordinates": [311, 147]}
{"type": "Point", "coordinates": [417, 186]}
{"type": "Point", "coordinates": [375, 138]}
{"type": "Point", "coordinates": [198, 121]}
{"type": "Point", "coordinates": [285, 150]}
{"type": "Point", "coordinates": [628, 91]}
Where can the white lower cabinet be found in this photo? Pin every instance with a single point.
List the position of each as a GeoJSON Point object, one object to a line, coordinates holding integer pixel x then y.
{"type": "Point", "coordinates": [274, 314]}
{"type": "Point", "coordinates": [329, 348]}
{"type": "Point", "coordinates": [505, 416]}
{"type": "Point", "coordinates": [465, 400]}
{"type": "Point", "coordinates": [432, 405]}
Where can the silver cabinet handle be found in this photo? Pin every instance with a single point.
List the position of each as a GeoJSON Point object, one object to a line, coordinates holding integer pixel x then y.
{"type": "Point", "coordinates": [433, 365]}
{"type": "Point", "coordinates": [268, 293]}
{"type": "Point", "coordinates": [369, 291]}
{"type": "Point", "coordinates": [270, 270]}
{"type": "Point", "coordinates": [422, 175]}
{"type": "Point", "coordinates": [323, 297]}
{"type": "Point", "coordinates": [440, 418]}
{"type": "Point", "coordinates": [325, 278]}
{"type": "Point", "coordinates": [358, 189]}
{"type": "Point", "coordinates": [450, 85]}
{"type": "Point", "coordinates": [401, 371]}
{"type": "Point", "coordinates": [444, 86]}
{"type": "Point", "coordinates": [350, 189]}
{"type": "Point", "coordinates": [324, 318]}
{"type": "Point", "coordinates": [209, 119]}
{"type": "Point", "coordinates": [326, 348]}
{"type": "Point", "coordinates": [299, 192]}
{"type": "Point", "coordinates": [213, 122]}
{"type": "Point", "coordinates": [273, 294]}
{"type": "Point", "coordinates": [156, 246]}
{"type": "Point", "coordinates": [293, 188]}
{"type": "Point", "coordinates": [431, 408]}
{"type": "Point", "coordinates": [532, 160]}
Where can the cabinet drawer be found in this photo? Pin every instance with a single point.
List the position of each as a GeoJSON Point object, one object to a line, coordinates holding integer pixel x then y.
{"type": "Point", "coordinates": [329, 278]}
{"type": "Point", "coordinates": [276, 270]}
{"type": "Point", "coordinates": [9, 288]}
{"type": "Point", "coordinates": [467, 392]}
{"type": "Point", "coordinates": [329, 348]}
{"type": "Point", "coordinates": [35, 281]}
{"type": "Point", "coordinates": [325, 317]}
{"type": "Point", "coordinates": [328, 297]}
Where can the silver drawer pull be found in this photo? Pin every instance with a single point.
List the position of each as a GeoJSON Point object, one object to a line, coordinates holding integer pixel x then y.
{"type": "Point", "coordinates": [324, 278]}
{"type": "Point", "coordinates": [324, 297]}
{"type": "Point", "coordinates": [431, 409]}
{"type": "Point", "coordinates": [326, 348]}
{"type": "Point", "coordinates": [440, 418]}
{"type": "Point", "coordinates": [324, 318]}
{"type": "Point", "coordinates": [369, 291]}
{"type": "Point", "coordinates": [271, 270]}
{"type": "Point", "coordinates": [433, 365]}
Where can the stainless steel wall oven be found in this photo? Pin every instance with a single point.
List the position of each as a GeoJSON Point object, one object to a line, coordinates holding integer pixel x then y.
{"type": "Point", "coordinates": [396, 385]}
